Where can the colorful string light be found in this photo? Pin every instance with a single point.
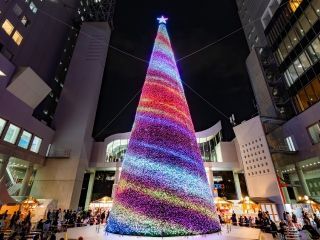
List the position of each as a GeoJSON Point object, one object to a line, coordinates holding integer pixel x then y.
{"type": "Point", "coordinates": [163, 188]}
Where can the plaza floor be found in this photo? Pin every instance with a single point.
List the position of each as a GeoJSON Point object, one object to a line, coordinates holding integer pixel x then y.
{"type": "Point", "coordinates": [97, 233]}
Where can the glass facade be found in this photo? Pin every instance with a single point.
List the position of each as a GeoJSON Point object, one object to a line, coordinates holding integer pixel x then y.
{"type": "Point", "coordinates": [103, 184]}
{"type": "Point", "coordinates": [294, 37]}
{"type": "Point", "coordinates": [25, 140]}
{"type": "Point", "coordinates": [314, 132]}
{"type": "Point", "coordinates": [36, 143]}
{"type": "Point", "coordinates": [12, 134]}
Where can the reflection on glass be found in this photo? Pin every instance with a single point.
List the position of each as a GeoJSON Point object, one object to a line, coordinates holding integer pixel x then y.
{"type": "Point", "coordinates": [314, 132]}
{"type": "Point", "coordinates": [308, 95]}
{"type": "Point", "coordinates": [316, 5]}
{"type": "Point", "coordinates": [36, 143]}
{"type": "Point", "coordinates": [25, 139]}
{"type": "Point", "coordinates": [12, 134]}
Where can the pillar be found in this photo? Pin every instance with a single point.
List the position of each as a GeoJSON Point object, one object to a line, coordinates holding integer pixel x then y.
{"type": "Point", "coordinates": [285, 191]}
{"type": "Point", "coordinates": [302, 181]}
{"type": "Point", "coordinates": [90, 189]}
{"type": "Point", "coordinates": [5, 161]}
{"type": "Point", "coordinates": [237, 185]}
{"type": "Point", "coordinates": [26, 179]}
{"type": "Point", "coordinates": [116, 180]}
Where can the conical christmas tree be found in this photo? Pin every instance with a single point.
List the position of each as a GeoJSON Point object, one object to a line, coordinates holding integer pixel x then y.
{"type": "Point", "coordinates": [163, 188]}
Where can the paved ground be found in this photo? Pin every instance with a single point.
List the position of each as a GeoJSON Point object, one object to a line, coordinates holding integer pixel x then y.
{"type": "Point", "coordinates": [237, 233]}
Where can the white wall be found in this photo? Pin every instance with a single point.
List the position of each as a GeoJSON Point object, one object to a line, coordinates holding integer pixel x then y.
{"type": "Point", "coordinates": [258, 166]}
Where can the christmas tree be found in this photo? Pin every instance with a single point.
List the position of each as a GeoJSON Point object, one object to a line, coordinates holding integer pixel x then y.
{"type": "Point", "coordinates": [163, 189]}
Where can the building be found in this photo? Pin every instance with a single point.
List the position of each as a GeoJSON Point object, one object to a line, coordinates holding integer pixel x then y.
{"type": "Point", "coordinates": [250, 13]}
{"type": "Point", "coordinates": [285, 78]}
{"type": "Point", "coordinates": [46, 49]}
{"type": "Point", "coordinates": [221, 160]}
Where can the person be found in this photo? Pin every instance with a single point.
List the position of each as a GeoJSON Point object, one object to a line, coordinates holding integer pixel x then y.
{"type": "Point", "coordinates": [80, 238]}
{"type": "Point", "coordinates": [103, 216]}
{"type": "Point", "coordinates": [294, 218]}
{"type": "Point", "coordinates": [274, 229]}
{"type": "Point", "coordinates": [1, 236]}
{"type": "Point", "coordinates": [316, 220]}
{"type": "Point", "coordinates": [234, 219]}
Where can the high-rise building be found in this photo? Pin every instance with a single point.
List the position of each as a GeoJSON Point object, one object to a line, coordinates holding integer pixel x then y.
{"type": "Point", "coordinates": [43, 45]}
{"type": "Point", "coordinates": [250, 12]}
{"type": "Point", "coordinates": [288, 69]}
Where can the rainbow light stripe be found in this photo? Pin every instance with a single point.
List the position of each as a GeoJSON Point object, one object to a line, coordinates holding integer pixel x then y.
{"type": "Point", "coordinates": [163, 188]}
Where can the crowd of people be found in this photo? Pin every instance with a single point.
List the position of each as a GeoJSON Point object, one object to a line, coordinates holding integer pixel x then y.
{"type": "Point", "coordinates": [307, 225]}
{"type": "Point", "coordinates": [20, 227]}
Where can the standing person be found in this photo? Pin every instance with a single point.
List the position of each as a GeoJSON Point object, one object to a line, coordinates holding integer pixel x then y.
{"type": "Point", "coordinates": [48, 215]}
{"type": "Point", "coordinates": [13, 220]}
{"type": "Point", "coordinates": [103, 216]}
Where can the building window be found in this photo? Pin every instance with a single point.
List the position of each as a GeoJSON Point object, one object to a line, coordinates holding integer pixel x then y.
{"type": "Point", "coordinates": [308, 95]}
{"type": "Point", "coordinates": [289, 142]}
{"type": "Point", "coordinates": [36, 143]}
{"type": "Point", "coordinates": [7, 27]}
{"type": "Point", "coordinates": [25, 21]}
{"type": "Point", "coordinates": [25, 139]}
{"type": "Point", "coordinates": [314, 132]}
{"type": "Point", "coordinates": [12, 134]}
{"type": "Point", "coordinates": [33, 7]}
{"type": "Point", "coordinates": [294, 4]}
{"type": "Point", "coordinates": [2, 125]}
{"type": "Point", "coordinates": [316, 6]}
{"type": "Point", "coordinates": [17, 38]}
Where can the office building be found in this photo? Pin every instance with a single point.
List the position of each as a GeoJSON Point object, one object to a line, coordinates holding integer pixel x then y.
{"type": "Point", "coordinates": [289, 68]}
{"type": "Point", "coordinates": [47, 50]}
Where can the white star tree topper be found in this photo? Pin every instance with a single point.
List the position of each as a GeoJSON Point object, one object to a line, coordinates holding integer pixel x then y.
{"type": "Point", "coordinates": [162, 19]}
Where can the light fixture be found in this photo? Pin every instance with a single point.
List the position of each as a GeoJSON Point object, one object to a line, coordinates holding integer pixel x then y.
{"type": "Point", "coordinates": [2, 74]}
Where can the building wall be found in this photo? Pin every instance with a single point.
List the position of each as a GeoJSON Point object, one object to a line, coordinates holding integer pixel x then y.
{"type": "Point", "coordinates": [257, 161]}
{"type": "Point", "coordinates": [61, 179]}
{"type": "Point", "coordinates": [17, 112]}
{"type": "Point", "coordinates": [259, 85]}
{"type": "Point", "coordinates": [250, 13]}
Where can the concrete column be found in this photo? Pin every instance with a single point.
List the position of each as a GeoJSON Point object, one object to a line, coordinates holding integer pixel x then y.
{"type": "Point", "coordinates": [302, 180]}
{"type": "Point", "coordinates": [237, 185]}
{"type": "Point", "coordinates": [285, 191]}
{"type": "Point", "coordinates": [116, 180]}
{"type": "Point", "coordinates": [26, 180]}
{"type": "Point", "coordinates": [90, 189]}
{"type": "Point", "coordinates": [5, 161]}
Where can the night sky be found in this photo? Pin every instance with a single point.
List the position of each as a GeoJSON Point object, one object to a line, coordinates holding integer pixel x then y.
{"type": "Point", "coordinates": [218, 73]}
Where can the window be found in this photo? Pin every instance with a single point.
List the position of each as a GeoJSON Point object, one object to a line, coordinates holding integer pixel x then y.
{"type": "Point", "coordinates": [12, 134]}
{"type": "Point", "coordinates": [293, 73]}
{"type": "Point", "coordinates": [17, 38]}
{"type": "Point", "coordinates": [289, 142]}
{"type": "Point", "coordinates": [305, 62]}
{"type": "Point", "coordinates": [25, 139]}
{"type": "Point", "coordinates": [316, 46]}
{"type": "Point", "coordinates": [311, 15]}
{"type": "Point", "coordinates": [308, 95]}
{"type": "Point", "coordinates": [314, 132]}
{"type": "Point", "coordinates": [316, 6]}
{"type": "Point", "coordinates": [294, 4]}
{"type": "Point", "coordinates": [7, 27]}
{"type": "Point", "coordinates": [36, 143]}
{"type": "Point", "coordinates": [2, 125]}
{"type": "Point", "coordinates": [25, 21]}
{"type": "Point", "coordinates": [33, 7]}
